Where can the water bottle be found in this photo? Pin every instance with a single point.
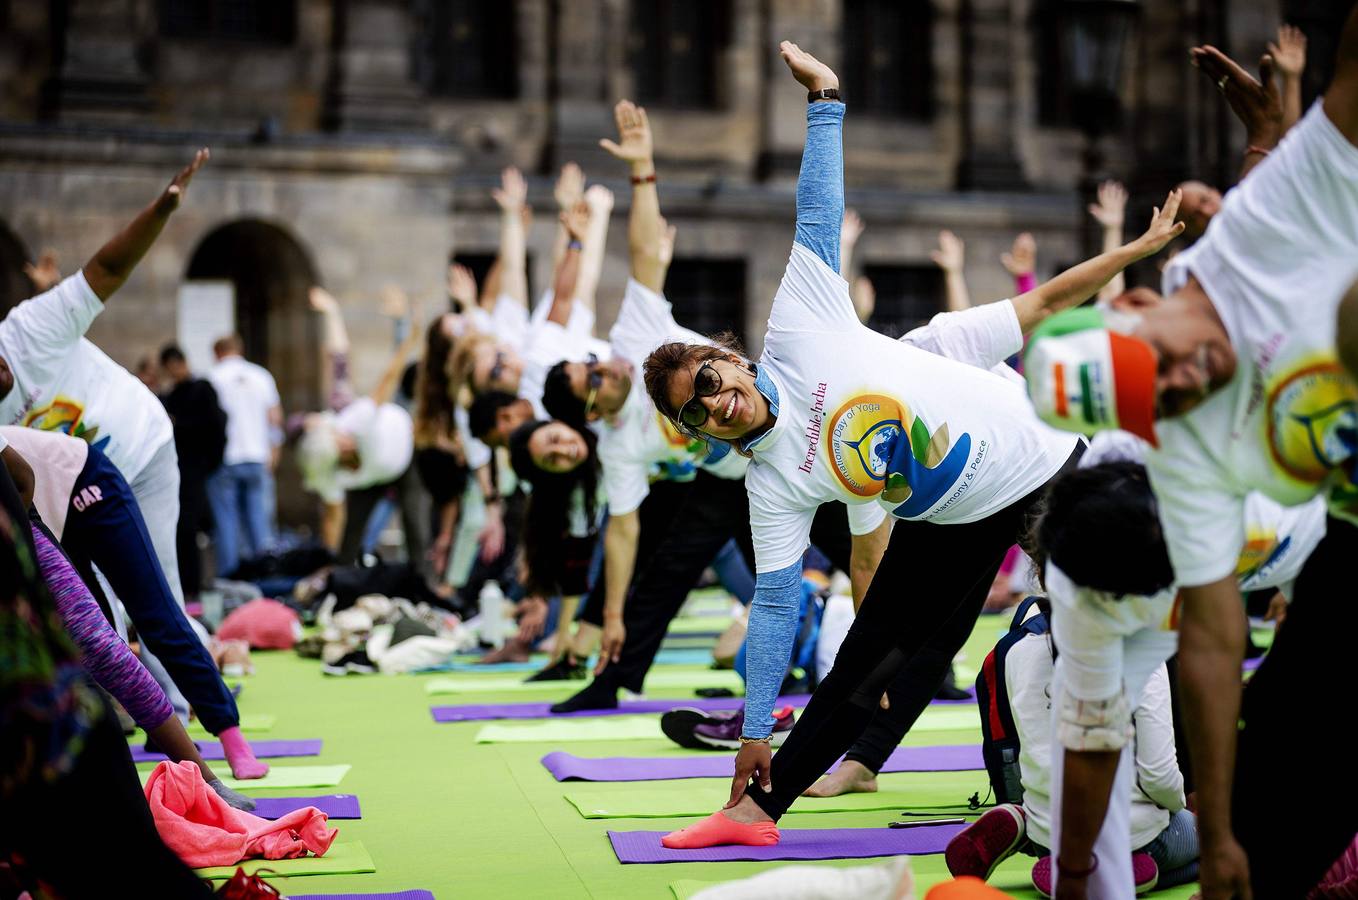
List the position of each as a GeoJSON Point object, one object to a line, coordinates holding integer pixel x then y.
{"type": "Point", "coordinates": [494, 615]}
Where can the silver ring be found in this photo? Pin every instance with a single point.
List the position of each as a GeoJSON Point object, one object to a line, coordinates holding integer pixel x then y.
{"type": "Point", "coordinates": [1221, 84]}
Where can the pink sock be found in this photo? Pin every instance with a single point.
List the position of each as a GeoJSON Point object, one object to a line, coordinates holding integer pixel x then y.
{"type": "Point", "coordinates": [718, 829]}
{"type": "Point", "coordinates": [240, 756]}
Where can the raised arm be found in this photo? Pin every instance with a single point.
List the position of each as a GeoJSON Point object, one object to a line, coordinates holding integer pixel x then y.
{"type": "Point", "coordinates": [950, 257]}
{"type": "Point", "coordinates": [568, 191]}
{"type": "Point", "coordinates": [575, 223]}
{"type": "Point", "coordinates": [643, 220]}
{"type": "Point", "coordinates": [113, 263]}
{"type": "Point", "coordinates": [1021, 263]}
{"type": "Point", "coordinates": [600, 200]}
{"type": "Point", "coordinates": [391, 375]}
{"type": "Point", "coordinates": [334, 345]}
{"type": "Point", "coordinates": [1289, 56]}
{"type": "Point", "coordinates": [820, 183]}
{"type": "Point", "coordinates": [462, 286]}
{"type": "Point", "coordinates": [1110, 212]}
{"type": "Point", "coordinates": [511, 196]}
{"type": "Point", "coordinates": [849, 232]}
{"type": "Point", "coordinates": [1256, 103]}
{"type": "Point", "coordinates": [1076, 285]}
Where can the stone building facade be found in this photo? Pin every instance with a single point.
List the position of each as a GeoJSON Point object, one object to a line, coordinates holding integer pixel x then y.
{"type": "Point", "coordinates": [354, 143]}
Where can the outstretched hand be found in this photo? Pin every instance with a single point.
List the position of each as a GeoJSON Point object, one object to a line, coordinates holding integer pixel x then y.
{"type": "Point", "coordinates": [570, 186]}
{"type": "Point", "coordinates": [45, 273]}
{"type": "Point", "coordinates": [1289, 53]}
{"type": "Point", "coordinates": [512, 193]}
{"type": "Point", "coordinates": [1111, 208]}
{"type": "Point", "coordinates": [851, 229]}
{"type": "Point", "coordinates": [1022, 256]}
{"type": "Point", "coordinates": [1163, 228]}
{"type": "Point", "coordinates": [1256, 103]}
{"type": "Point", "coordinates": [321, 300]}
{"type": "Point", "coordinates": [810, 72]}
{"type": "Point", "coordinates": [462, 284]}
{"type": "Point", "coordinates": [634, 134]}
{"type": "Point", "coordinates": [951, 253]}
{"type": "Point", "coordinates": [576, 220]}
{"type": "Point", "coordinates": [174, 191]}
{"type": "Point", "coordinates": [753, 760]}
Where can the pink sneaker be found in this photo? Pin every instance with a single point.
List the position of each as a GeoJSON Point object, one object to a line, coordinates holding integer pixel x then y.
{"type": "Point", "coordinates": [987, 842]}
{"type": "Point", "coordinates": [1145, 874]}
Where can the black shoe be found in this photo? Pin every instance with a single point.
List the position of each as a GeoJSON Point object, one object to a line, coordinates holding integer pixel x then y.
{"type": "Point", "coordinates": [561, 670]}
{"type": "Point", "coordinates": [678, 725]}
{"type": "Point", "coordinates": [355, 662]}
{"type": "Point", "coordinates": [596, 695]}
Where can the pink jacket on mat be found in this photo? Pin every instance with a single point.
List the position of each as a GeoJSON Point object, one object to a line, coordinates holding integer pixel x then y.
{"type": "Point", "coordinates": [204, 831]}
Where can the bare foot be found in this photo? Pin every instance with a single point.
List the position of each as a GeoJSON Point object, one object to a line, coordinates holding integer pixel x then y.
{"type": "Point", "coordinates": [850, 778]}
{"type": "Point", "coordinates": [746, 812]}
{"type": "Point", "coordinates": [514, 650]}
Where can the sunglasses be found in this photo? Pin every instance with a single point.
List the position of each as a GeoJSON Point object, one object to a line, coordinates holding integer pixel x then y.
{"type": "Point", "coordinates": [595, 379]}
{"type": "Point", "coordinates": [498, 369]}
{"type": "Point", "coordinates": [706, 383]}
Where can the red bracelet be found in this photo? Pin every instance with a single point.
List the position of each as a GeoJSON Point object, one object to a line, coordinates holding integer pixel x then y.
{"type": "Point", "coordinates": [1255, 148]}
{"type": "Point", "coordinates": [644, 179]}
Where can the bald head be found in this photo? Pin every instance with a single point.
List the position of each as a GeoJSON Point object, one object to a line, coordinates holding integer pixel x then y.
{"type": "Point", "coordinates": [1200, 203]}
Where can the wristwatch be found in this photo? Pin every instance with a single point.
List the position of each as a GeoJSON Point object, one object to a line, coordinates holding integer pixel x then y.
{"type": "Point", "coordinates": [822, 94]}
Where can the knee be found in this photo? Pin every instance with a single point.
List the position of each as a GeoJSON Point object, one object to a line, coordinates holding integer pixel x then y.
{"type": "Point", "coordinates": [869, 690]}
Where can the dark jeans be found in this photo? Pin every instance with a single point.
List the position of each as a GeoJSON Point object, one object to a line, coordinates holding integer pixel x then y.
{"type": "Point", "coordinates": [358, 508]}
{"type": "Point", "coordinates": [654, 515]}
{"type": "Point", "coordinates": [1280, 774]}
{"type": "Point", "coordinates": [126, 855]}
{"type": "Point", "coordinates": [194, 517]}
{"type": "Point", "coordinates": [104, 526]}
{"type": "Point", "coordinates": [920, 609]}
{"type": "Point", "coordinates": [717, 511]}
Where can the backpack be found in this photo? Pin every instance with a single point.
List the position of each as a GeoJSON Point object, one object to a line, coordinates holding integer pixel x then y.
{"type": "Point", "coordinates": [999, 737]}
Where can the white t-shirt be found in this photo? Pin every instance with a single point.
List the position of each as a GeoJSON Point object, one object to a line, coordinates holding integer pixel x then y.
{"type": "Point", "coordinates": [64, 383]}
{"type": "Point", "coordinates": [1157, 788]}
{"type": "Point", "coordinates": [57, 461]}
{"type": "Point", "coordinates": [546, 345]}
{"type": "Point", "coordinates": [386, 442]}
{"type": "Point", "coordinates": [639, 438]}
{"type": "Point", "coordinates": [246, 393]}
{"type": "Point", "coordinates": [507, 321]}
{"type": "Point", "coordinates": [581, 321]}
{"type": "Point", "coordinates": [843, 390]}
{"type": "Point", "coordinates": [983, 336]}
{"type": "Point", "coordinates": [1275, 262]}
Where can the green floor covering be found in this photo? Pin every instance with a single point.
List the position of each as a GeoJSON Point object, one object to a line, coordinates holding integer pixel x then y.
{"type": "Point", "coordinates": [469, 821]}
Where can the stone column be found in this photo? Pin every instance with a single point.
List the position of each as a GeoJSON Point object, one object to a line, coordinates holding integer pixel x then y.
{"type": "Point", "coordinates": [100, 79]}
{"type": "Point", "coordinates": [581, 107]}
{"type": "Point", "coordinates": [370, 88]}
{"type": "Point", "coordinates": [989, 160]}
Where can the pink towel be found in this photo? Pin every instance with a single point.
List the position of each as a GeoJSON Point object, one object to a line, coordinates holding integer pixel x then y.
{"type": "Point", "coordinates": [199, 826]}
{"type": "Point", "coordinates": [264, 624]}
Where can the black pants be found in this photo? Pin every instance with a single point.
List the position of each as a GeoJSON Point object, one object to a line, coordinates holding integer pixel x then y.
{"type": "Point", "coordinates": [1292, 762]}
{"type": "Point", "coordinates": [716, 511]}
{"type": "Point", "coordinates": [919, 610]}
{"type": "Point", "coordinates": [358, 508]}
{"type": "Point", "coordinates": [654, 516]}
{"type": "Point", "coordinates": [128, 854]}
{"type": "Point", "coordinates": [193, 518]}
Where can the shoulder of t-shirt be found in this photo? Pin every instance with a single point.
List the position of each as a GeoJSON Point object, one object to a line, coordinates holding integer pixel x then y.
{"type": "Point", "coordinates": [71, 291]}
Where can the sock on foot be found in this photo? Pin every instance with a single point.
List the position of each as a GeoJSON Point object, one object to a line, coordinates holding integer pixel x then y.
{"type": "Point", "coordinates": [232, 798]}
{"type": "Point", "coordinates": [595, 695]}
{"type": "Point", "coordinates": [239, 755]}
{"type": "Point", "coordinates": [717, 830]}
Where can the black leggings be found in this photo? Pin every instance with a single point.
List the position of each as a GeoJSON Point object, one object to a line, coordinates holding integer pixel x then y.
{"type": "Point", "coordinates": [1288, 810]}
{"type": "Point", "coordinates": [919, 610]}
{"type": "Point", "coordinates": [129, 851]}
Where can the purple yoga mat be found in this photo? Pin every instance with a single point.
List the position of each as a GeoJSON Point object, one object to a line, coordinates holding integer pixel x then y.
{"type": "Point", "coordinates": [800, 843]}
{"type": "Point", "coordinates": [566, 767]}
{"type": "Point", "coordinates": [212, 750]}
{"type": "Point", "coordinates": [1250, 665]}
{"type": "Point", "coordinates": [336, 806]}
{"type": "Point", "coordinates": [477, 712]}
{"type": "Point", "coordinates": [399, 895]}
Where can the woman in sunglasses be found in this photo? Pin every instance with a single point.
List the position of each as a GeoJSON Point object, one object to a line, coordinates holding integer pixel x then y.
{"type": "Point", "coordinates": [835, 411]}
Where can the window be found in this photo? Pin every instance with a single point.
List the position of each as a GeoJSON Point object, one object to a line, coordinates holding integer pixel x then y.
{"type": "Point", "coordinates": [675, 49]}
{"type": "Point", "coordinates": [467, 48]}
{"type": "Point", "coordinates": [251, 21]}
{"type": "Point", "coordinates": [907, 297]}
{"type": "Point", "coordinates": [888, 65]}
{"type": "Point", "coordinates": [708, 295]}
{"type": "Point", "coordinates": [1053, 98]}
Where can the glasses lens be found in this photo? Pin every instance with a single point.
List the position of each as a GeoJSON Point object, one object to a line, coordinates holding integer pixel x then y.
{"type": "Point", "coordinates": [693, 414]}
{"type": "Point", "coordinates": [706, 381]}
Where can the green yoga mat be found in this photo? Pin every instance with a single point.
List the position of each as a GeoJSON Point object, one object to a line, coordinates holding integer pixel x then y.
{"type": "Point", "coordinates": [349, 858]}
{"type": "Point", "coordinates": [674, 678]}
{"type": "Point", "coordinates": [612, 728]}
{"type": "Point", "coordinates": [248, 722]}
{"type": "Point", "coordinates": [688, 887]}
{"type": "Point", "coordinates": [697, 625]}
{"type": "Point", "coordinates": [904, 790]}
{"type": "Point", "coordinates": [282, 777]}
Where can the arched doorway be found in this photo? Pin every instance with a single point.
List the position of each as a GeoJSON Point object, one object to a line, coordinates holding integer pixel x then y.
{"type": "Point", "coordinates": [271, 274]}
{"type": "Point", "coordinates": [14, 284]}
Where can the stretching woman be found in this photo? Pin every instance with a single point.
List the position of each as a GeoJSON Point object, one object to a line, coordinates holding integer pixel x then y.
{"type": "Point", "coordinates": [835, 411]}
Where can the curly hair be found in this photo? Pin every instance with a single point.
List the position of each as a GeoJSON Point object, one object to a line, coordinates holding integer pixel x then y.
{"type": "Point", "coordinates": [667, 359]}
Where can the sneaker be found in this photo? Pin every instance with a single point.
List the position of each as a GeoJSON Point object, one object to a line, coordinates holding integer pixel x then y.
{"type": "Point", "coordinates": [678, 725]}
{"type": "Point", "coordinates": [724, 733]}
{"type": "Point", "coordinates": [987, 842]}
{"type": "Point", "coordinates": [561, 670]}
{"type": "Point", "coordinates": [1145, 873]}
{"type": "Point", "coordinates": [356, 662]}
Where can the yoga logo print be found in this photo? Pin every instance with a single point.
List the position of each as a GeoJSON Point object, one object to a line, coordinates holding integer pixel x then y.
{"type": "Point", "coordinates": [67, 417]}
{"type": "Point", "coordinates": [1312, 422]}
{"type": "Point", "coordinates": [864, 437]}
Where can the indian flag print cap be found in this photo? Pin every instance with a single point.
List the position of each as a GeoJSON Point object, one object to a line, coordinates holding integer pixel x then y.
{"type": "Point", "coordinates": [1084, 376]}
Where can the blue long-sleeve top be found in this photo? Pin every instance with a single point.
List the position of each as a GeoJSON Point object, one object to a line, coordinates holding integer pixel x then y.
{"type": "Point", "coordinates": [777, 595]}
